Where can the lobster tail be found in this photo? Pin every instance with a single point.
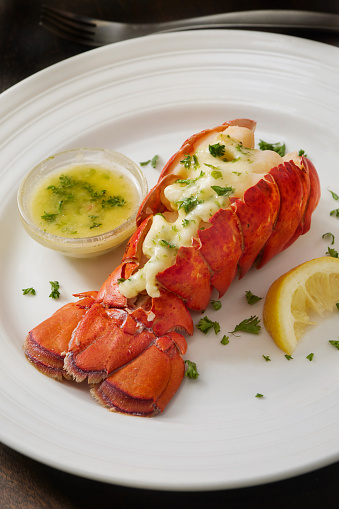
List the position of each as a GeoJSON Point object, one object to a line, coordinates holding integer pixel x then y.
{"type": "Point", "coordinates": [220, 207]}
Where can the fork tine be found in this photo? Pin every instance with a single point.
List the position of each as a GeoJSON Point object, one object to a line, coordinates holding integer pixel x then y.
{"type": "Point", "coordinates": [61, 32]}
{"type": "Point", "coordinates": [62, 24]}
{"type": "Point", "coordinates": [76, 20]}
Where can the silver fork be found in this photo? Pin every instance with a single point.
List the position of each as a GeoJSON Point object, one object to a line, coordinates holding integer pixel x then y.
{"type": "Point", "coordinates": [94, 32]}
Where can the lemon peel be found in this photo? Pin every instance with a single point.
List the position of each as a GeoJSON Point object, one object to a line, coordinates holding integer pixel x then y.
{"type": "Point", "coordinates": [310, 287]}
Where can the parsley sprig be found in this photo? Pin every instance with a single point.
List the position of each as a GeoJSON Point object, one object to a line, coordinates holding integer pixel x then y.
{"type": "Point", "coordinates": [191, 371]}
{"type": "Point", "coordinates": [280, 148]}
{"type": "Point", "coordinates": [251, 298]}
{"type": "Point", "coordinates": [205, 325]}
{"type": "Point", "coordinates": [250, 325]}
{"type": "Point", "coordinates": [55, 294]}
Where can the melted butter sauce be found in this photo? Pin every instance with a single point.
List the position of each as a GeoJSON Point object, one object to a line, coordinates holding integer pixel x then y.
{"type": "Point", "coordinates": [83, 201]}
{"type": "Point", "coordinates": [206, 181]}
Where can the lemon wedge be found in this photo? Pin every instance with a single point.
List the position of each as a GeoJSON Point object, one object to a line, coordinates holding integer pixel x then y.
{"type": "Point", "coordinates": [310, 287]}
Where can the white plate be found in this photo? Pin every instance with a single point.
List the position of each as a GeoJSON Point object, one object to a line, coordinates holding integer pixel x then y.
{"type": "Point", "coordinates": [144, 97]}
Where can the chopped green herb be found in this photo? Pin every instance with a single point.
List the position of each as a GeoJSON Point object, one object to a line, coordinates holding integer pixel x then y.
{"type": "Point", "coordinates": [217, 150]}
{"type": "Point", "coordinates": [240, 147]}
{"type": "Point", "coordinates": [185, 222]}
{"type": "Point", "coordinates": [276, 147]}
{"type": "Point", "coordinates": [55, 294]}
{"type": "Point", "coordinates": [189, 203]}
{"type": "Point", "coordinates": [334, 195]}
{"type": "Point", "coordinates": [165, 243]}
{"type": "Point", "coordinates": [113, 201]}
{"type": "Point", "coordinates": [223, 191]}
{"type": "Point", "coordinates": [248, 325]}
{"type": "Point", "coordinates": [189, 181]}
{"type": "Point", "coordinates": [302, 153]}
{"type": "Point", "coordinates": [288, 357]}
{"type": "Point", "coordinates": [94, 224]}
{"type": "Point", "coordinates": [251, 298]}
{"type": "Point", "coordinates": [258, 395]}
{"type": "Point", "coordinates": [337, 304]}
{"type": "Point", "coordinates": [214, 168]}
{"type": "Point", "coordinates": [225, 340]}
{"type": "Point", "coordinates": [195, 161]}
{"type": "Point", "coordinates": [154, 161]}
{"type": "Point", "coordinates": [334, 213]}
{"type": "Point", "coordinates": [187, 161]}
{"type": "Point", "coordinates": [266, 357]}
{"type": "Point", "coordinates": [332, 252]}
{"type": "Point", "coordinates": [334, 343]}
{"type": "Point", "coordinates": [191, 371]}
{"type": "Point", "coordinates": [310, 356]}
{"type": "Point", "coordinates": [216, 304]}
{"type": "Point", "coordinates": [205, 325]}
{"type": "Point", "coordinates": [49, 217]}
{"type": "Point", "coordinates": [328, 235]}
{"type": "Point", "coordinates": [216, 174]}
{"type": "Point", "coordinates": [27, 291]}
{"type": "Point", "coordinates": [121, 280]}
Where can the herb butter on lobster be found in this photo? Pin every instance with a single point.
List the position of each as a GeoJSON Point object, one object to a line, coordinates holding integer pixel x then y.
{"type": "Point", "coordinates": [219, 207]}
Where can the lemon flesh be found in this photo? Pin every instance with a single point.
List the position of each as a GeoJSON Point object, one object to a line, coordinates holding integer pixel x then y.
{"type": "Point", "coordinates": [312, 287]}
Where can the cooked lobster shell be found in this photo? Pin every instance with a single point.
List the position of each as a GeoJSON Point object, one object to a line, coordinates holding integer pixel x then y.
{"type": "Point", "coordinates": [131, 348]}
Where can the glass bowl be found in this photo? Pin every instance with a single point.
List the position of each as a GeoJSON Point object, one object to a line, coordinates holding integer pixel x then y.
{"type": "Point", "coordinates": [62, 162]}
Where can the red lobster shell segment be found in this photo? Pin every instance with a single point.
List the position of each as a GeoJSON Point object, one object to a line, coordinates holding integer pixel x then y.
{"type": "Point", "coordinates": [220, 206]}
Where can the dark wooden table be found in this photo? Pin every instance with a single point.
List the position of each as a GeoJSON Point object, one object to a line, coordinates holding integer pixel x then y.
{"type": "Point", "coordinates": [26, 48]}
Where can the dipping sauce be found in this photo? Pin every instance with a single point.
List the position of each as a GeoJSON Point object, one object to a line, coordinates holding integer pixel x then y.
{"type": "Point", "coordinates": [83, 200]}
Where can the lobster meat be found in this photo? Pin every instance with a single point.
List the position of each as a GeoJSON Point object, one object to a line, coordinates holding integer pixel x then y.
{"type": "Point", "coordinates": [219, 207]}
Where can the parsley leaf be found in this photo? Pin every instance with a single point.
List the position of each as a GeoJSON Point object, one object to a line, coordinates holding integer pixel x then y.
{"type": "Point", "coordinates": [30, 290]}
{"type": "Point", "coordinates": [266, 357]}
{"type": "Point", "coordinates": [49, 217]}
{"type": "Point", "coordinates": [187, 161]}
{"type": "Point", "coordinates": [288, 357]}
{"type": "Point", "coordinates": [334, 195]}
{"type": "Point", "coordinates": [276, 147]}
{"type": "Point", "coordinates": [216, 304]}
{"type": "Point", "coordinates": [191, 371]}
{"type": "Point", "coordinates": [328, 234]}
{"type": "Point", "coordinates": [225, 340]}
{"type": "Point", "coordinates": [332, 252]}
{"type": "Point", "coordinates": [189, 181]}
{"type": "Point", "coordinates": [310, 356]}
{"type": "Point", "coordinates": [334, 213]}
{"type": "Point", "coordinates": [258, 395]}
{"type": "Point", "coordinates": [248, 325]}
{"type": "Point", "coordinates": [205, 325]}
{"type": "Point", "coordinates": [334, 343]}
{"type": "Point", "coordinates": [251, 298]}
{"type": "Point", "coordinates": [223, 191]}
{"type": "Point", "coordinates": [153, 161]}
{"type": "Point", "coordinates": [217, 150]}
{"type": "Point", "coordinates": [165, 243]}
{"type": "Point", "coordinates": [189, 203]}
{"type": "Point", "coordinates": [216, 174]}
{"type": "Point", "coordinates": [55, 294]}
